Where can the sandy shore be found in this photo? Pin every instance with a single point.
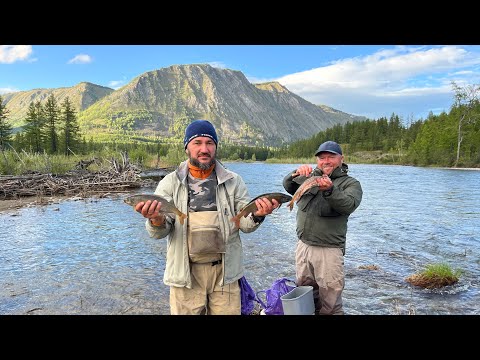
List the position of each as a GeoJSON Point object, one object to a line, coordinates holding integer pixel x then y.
{"type": "Point", "coordinates": [15, 204]}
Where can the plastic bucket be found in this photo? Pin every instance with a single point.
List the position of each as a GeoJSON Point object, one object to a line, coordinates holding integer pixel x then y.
{"type": "Point", "coordinates": [299, 301]}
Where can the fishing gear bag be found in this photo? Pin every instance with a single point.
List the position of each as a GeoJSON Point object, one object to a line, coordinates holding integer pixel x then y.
{"type": "Point", "coordinates": [247, 296]}
{"type": "Point", "coordinates": [273, 304]}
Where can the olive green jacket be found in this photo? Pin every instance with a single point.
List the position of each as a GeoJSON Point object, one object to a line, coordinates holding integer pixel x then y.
{"type": "Point", "coordinates": [232, 195]}
{"type": "Point", "coordinates": [322, 217]}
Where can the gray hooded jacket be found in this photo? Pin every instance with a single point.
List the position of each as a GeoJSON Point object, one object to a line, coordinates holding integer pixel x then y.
{"type": "Point", "coordinates": [232, 195]}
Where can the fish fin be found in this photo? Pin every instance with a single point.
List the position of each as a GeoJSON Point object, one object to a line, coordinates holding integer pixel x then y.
{"type": "Point", "coordinates": [236, 219]}
{"type": "Point", "coordinates": [182, 218]}
{"type": "Point", "coordinates": [290, 204]}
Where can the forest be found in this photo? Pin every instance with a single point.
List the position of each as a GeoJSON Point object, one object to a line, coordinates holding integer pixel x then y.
{"type": "Point", "coordinates": [52, 141]}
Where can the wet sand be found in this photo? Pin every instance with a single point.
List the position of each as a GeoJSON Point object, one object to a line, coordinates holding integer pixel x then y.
{"type": "Point", "coordinates": [11, 205]}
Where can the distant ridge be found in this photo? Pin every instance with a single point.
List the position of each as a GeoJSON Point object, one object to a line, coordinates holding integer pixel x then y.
{"type": "Point", "coordinates": [161, 103]}
{"type": "Point", "coordinates": [81, 95]}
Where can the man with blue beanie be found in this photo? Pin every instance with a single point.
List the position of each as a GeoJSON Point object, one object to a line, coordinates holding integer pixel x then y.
{"type": "Point", "coordinates": [204, 260]}
{"type": "Point", "coordinates": [200, 128]}
{"type": "Point", "coordinates": [328, 195]}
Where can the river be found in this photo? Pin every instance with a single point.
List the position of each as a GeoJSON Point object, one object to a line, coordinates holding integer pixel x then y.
{"type": "Point", "coordinates": [94, 256]}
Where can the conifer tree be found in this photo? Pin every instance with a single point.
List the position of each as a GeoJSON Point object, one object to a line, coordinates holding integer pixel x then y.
{"type": "Point", "coordinates": [52, 114]}
{"type": "Point", "coordinates": [5, 127]}
{"type": "Point", "coordinates": [71, 129]}
{"type": "Point", "coordinates": [34, 127]}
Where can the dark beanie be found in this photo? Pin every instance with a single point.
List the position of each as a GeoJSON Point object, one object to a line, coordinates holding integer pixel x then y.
{"type": "Point", "coordinates": [199, 128]}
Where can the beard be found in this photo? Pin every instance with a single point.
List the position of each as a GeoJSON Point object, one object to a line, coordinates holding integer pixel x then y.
{"type": "Point", "coordinates": [198, 164]}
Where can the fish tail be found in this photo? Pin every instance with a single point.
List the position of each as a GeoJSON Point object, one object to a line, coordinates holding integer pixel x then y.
{"type": "Point", "coordinates": [182, 217]}
{"type": "Point", "coordinates": [290, 204]}
{"type": "Point", "coordinates": [236, 219]}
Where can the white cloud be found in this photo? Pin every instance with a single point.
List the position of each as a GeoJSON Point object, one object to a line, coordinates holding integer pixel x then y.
{"type": "Point", "coordinates": [116, 84]}
{"type": "Point", "coordinates": [217, 64]}
{"type": "Point", "coordinates": [7, 90]}
{"type": "Point", "coordinates": [13, 53]}
{"type": "Point", "coordinates": [401, 80]}
{"type": "Point", "coordinates": [80, 59]}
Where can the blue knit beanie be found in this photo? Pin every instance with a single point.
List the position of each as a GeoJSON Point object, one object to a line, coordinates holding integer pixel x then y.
{"type": "Point", "coordinates": [199, 128]}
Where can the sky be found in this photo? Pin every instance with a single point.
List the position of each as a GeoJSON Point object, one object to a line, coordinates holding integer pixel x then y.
{"type": "Point", "coordinates": [367, 80]}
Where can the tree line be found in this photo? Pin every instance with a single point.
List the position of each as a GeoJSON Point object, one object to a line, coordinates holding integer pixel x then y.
{"type": "Point", "coordinates": [50, 128]}
{"type": "Point", "coordinates": [447, 139]}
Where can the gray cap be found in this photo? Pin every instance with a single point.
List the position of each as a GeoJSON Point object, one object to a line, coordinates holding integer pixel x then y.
{"type": "Point", "coordinates": [329, 146]}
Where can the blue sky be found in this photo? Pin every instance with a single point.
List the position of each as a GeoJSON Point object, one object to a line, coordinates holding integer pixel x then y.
{"type": "Point", "coordinates": [368, 80]}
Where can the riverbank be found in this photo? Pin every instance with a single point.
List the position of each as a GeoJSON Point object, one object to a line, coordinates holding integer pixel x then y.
{"type": "Point", "coordinates": [11, 205]}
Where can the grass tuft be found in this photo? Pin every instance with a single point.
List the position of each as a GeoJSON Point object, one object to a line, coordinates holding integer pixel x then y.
{"type": "Point", "coordinates": [435, 276]}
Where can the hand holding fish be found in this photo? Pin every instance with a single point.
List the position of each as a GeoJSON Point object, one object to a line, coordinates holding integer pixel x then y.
{"type": "Point", "coordinates": [324, 182]}
{"type": "Point", "coordinates": [265, 206]}
{"type": "Point", "coordinates": [151, 210]}
{"type": "Point", "coordinates": [303, 170]}
{"type": "Point", "coordinates": [153, 207]}
{"type": "Point", "coordinates": [262, 205]}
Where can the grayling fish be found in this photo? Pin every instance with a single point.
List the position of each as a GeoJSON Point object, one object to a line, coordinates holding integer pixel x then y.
{"type": "Point", "coordinates": [252, 207]}
{"type": "Point", "coordinates": [306, 185]}
{"type": "Point", "coordinates": [167, 206]}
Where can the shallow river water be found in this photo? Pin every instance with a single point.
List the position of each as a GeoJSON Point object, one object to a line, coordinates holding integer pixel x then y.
{"type": "Point", "coordinates": [94, 256]}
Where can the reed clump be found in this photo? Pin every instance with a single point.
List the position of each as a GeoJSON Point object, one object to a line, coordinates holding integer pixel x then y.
{"type": "Point", "coordinates": [435, 276]}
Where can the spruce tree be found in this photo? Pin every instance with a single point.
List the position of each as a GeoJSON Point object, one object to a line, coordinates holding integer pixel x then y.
{"type": "Point", "coordinates": [71, 130]}
{"type": "Point", "coordinates": [34, 127]}
{"type": "Point", "coordinates": [5, 127]}
{"type": "Point", "coordinates": [52, 114]}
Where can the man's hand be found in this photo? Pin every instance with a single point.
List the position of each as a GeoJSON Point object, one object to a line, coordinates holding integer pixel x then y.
{"type": "Point", "coordinates": [324, 183]}
{"type": "Point", "coordinates": [151, 210]}
{"type": "Point", "coordinates": [265, 206]}
{"type": "Point", "coordinates": [304, 170]}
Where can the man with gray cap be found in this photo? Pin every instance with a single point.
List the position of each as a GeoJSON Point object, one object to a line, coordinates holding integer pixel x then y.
{"type": "Point", "coordinates": [204, 260]}
{"type": "Point", "coordinates": [323, 208]}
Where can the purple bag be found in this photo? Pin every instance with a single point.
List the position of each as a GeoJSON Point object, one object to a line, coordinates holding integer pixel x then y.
{"type": "Point", "coordinates": [273, 296]}
{"type": "Point", "coordinates": [247, 296]}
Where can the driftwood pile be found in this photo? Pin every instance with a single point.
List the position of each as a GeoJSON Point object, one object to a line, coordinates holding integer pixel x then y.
{"type": "Point", "coordinates": [119, 178]}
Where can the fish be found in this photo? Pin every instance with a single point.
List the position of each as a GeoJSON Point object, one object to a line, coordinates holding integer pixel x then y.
{"type": "Point", "coordinates": [167, 206]}
{"type": "Point", "coordinates": [252, 207]}
{"type": "Point", "coordinates": [307, 184]}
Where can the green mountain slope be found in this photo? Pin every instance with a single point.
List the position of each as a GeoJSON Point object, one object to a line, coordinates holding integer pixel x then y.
{"type": "Point", "coordinates": [158, 104]}
{"type": "Point", "coordinates": [81, 95]}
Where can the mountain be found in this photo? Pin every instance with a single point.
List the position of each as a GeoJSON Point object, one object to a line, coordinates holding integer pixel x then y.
{"type": "Point", "coordinates": [81, 95]}
{"type": "Point", "coordinates": [160, 103]}
{"type": "Point", "coordinates": [340, 116]}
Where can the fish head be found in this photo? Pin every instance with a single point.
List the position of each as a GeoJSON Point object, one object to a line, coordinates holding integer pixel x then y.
{"type": "Point", "coordinates": [128, 201]}
{"type": "Point", "coordinates": [132, 200]}
{"type": "Point", "coordinates": [282, 198]}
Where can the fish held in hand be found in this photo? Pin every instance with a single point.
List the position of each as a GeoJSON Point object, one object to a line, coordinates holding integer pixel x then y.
{"type": "Point", "coordinates": [167, 206]}
{"type": "Point", "coordinates": [307, 185]}
{"type": "Point", "coordinates": [251, 207]}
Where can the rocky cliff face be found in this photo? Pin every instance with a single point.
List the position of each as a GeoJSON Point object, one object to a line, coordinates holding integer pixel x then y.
{"type": "Point", "coordinates": [163, 101]}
